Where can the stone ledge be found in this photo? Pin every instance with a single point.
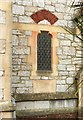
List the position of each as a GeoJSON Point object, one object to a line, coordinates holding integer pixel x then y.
{"type": "Point", "coordinates": [45, 111]}
{"type": "Point", "coordinates": [6, 106]}
{"type": "Point", "coordinates": [43, 96]}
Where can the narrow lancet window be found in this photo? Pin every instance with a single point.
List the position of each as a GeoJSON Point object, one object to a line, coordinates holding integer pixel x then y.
{"type": "Point", "coordinates": [44, 51]}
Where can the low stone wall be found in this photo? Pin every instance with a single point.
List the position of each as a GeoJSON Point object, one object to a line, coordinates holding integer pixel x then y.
{"type": "Point", "coordinates": [45, 104]}
{"type": "Point", "coordinates": [42, 105]}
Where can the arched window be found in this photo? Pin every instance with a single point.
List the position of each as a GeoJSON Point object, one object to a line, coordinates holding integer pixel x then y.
{"type": "Point", "coordinates": [44, 51]}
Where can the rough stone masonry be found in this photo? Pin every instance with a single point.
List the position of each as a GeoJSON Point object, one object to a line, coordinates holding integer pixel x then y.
{"type": "Point", "coordinates": [32, 90]}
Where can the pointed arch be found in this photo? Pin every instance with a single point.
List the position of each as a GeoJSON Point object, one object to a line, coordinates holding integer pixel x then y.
{"type": "Point", "coordinates": [44, 51]}
{"type": "Point", "coordinates": [44, 14]}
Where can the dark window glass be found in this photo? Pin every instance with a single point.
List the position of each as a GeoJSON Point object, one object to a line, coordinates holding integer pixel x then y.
{"type": "Point", "coordinates": [44, 51]}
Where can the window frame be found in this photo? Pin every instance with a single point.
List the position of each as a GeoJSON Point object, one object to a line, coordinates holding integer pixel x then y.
{"type": "Point", "coordinates": [32, 58]}
{"type": "Point", "coordinates": [40, 47]}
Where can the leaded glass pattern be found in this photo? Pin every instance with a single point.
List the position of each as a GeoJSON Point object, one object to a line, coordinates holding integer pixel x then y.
{"type": "Point", "coordinates": [44, 51]}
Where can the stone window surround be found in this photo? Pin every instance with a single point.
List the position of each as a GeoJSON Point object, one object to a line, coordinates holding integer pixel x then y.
{"type": "Point", "coordinates": [32, 58]}
{"type": "Point", "coordinates": [41, 83]}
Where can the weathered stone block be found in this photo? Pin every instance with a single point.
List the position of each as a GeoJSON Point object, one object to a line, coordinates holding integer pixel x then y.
{"type": "Point", "coordinates": [74, 44]}
{"type": "Point", "coordinates": [26, 2]}
{"type": "Point", "coordinates": [63, 77]}
{"type": "Point", "coordinates": [14, 40]}
{"type": "Point", "coordinates": [61, 67]}
{"type": "Point", "coordinates": [16, 9]}
{"type": "Point", "coordinates": [24, 78]}
{"type": "Point", "coordinates": [22, 90]}
{"type": "Point", "coordinates": [61, 82]}
{"type": "Point", "coordinates": [15, 67]}
{"type": "Point", "coordinates": [63, 1]}
{"type": "Point", "coordinates": [59, 15]}
{"type": "Point", "coordinates": [15, 79]}
{"type": "Point", "coordinates": [71, 24]}
{"type": "Point", "coordinates": [71, 103]}
{"type": "Point", "coordinates": [67, 17]}
{"type": "Point", "coordinates": [31, 9]}
{"type": "Point", "coordinates": [61, 36]}
{"type": "Point", "coordinates": [19, 2]}
{"type": "Point", "coordinates": [79, 52]}
{"type": "Point", "coordinates": [41, 104]}
{"type": "Point", "coordinates": [76, 60]}
{"type": "Point", "coordinates": [14, 73]}
{"type": "Point", "coordinates": [28, 33]}
{"type": "Point", "coordinates": [48, 2]}
{"type": "Point", "coordinates": [23, 41]}
{"type": "Point", "coordinates": [38, 3]}
{"type": "Point", "coordinates": [15, 19]}
{"type": "Point", "coordinates": [63, 104]}
{"type": "Point", "coordinates": [28, 83]}
{"type": "Point", "coordinates": [24, 105]}
{"type": "Point", "coordinates": [69, 51]}
{"type": "Point", "coordinates": [70, 67]}
{"type": "Point", "coordinates": [21, 50]}
{"type": "Point", "coordinates": [28, 13]}
{"type": "Point", "coordinates": [50, 8]}
{"type": "Point", "coordinates": [60, 8]}
{"type": "Point", "coordinates": [62, 57]}
{"type": "Point", "coordinates": [16, 32]}
{"type": "Point", "coordinates": [24, 73]}
{"type": "Point", "coordinates": [70, 80]}
{"type": "Point", "coordinates": [59, 51]}
{"type": "Point", "coordinates": [61, 23]}
{"type": "Point", "coordinates": [65, 43]}
{"type": "Point", "coordinates": [65, 61]}
{"type": "Point", "coordinates": [57, 104]}
{"type": "Point", "coordinates": [72, 73]}
{"type": "Point", "coordinates": [63, 72]}
{"type": "Point", "coordinates": [24, 50]}
{"type": "Point", "coordinates": [61, 88]}
{"type": "Point", "coordinates": [26, 67]}
{"type": "Point", "coordinates": [69, 36]}
{"type": "Point", "coordinates": [25, 19]}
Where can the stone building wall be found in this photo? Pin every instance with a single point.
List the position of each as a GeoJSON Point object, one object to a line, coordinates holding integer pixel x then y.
{"type": "Point", "coordinates": [21, 70]}
{"type": "Point", "coordinates": [68, 52]}
{"type": "Point", "coordinates": [36, 93]}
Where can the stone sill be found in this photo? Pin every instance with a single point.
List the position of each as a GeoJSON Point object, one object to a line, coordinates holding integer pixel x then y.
{"type": "Point", "coordinates": [39, 112]}
{"type": "Point", "coordinates": [43, 96]}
